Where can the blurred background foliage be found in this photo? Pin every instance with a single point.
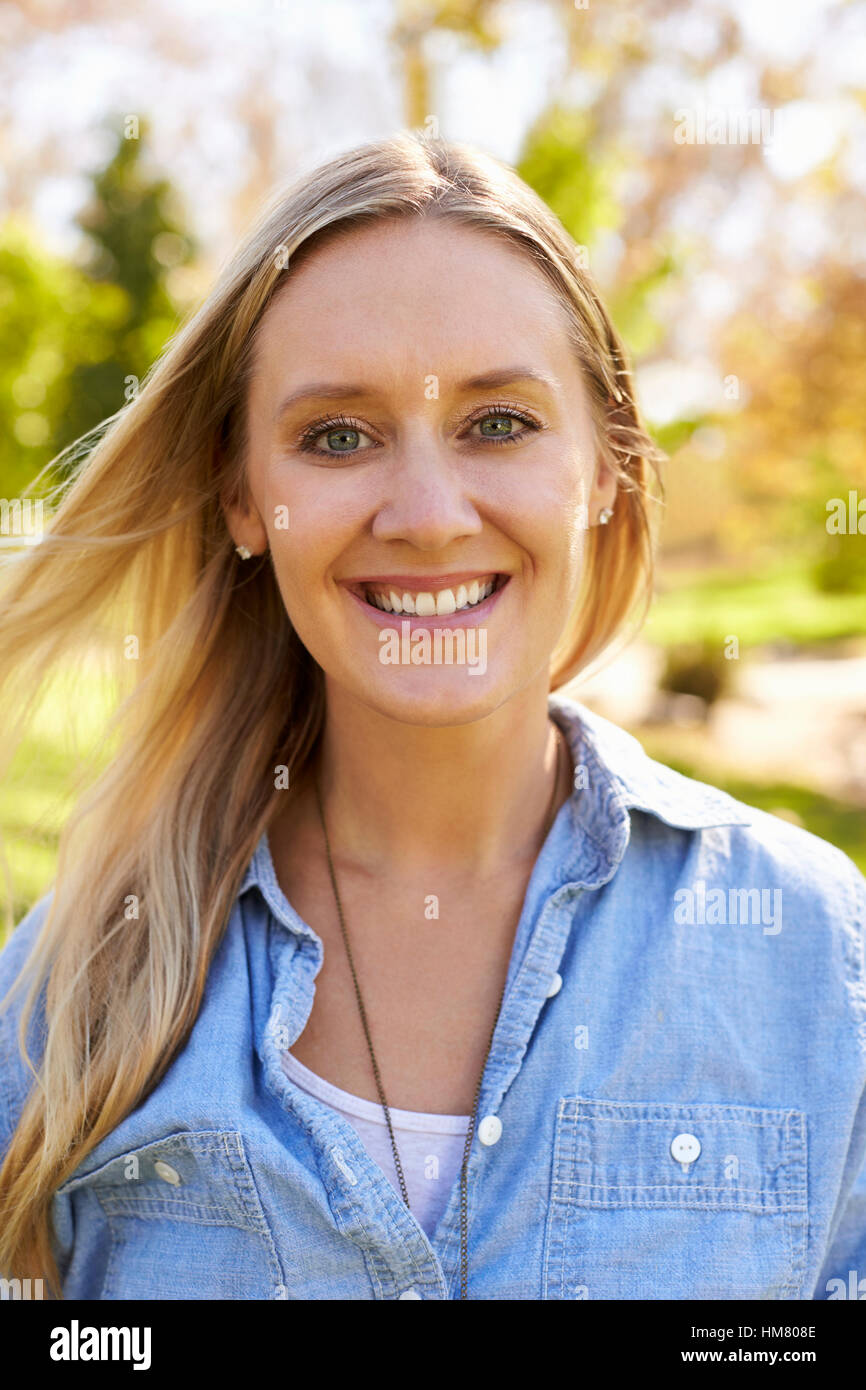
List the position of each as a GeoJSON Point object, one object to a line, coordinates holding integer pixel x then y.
{"type": "Point", "coordinates": [76, 337]}
{"type": "Point", "coordinates": [736, 274]}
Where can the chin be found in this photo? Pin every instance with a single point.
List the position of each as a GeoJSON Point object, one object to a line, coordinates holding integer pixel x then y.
{"type": "Point", "coordinates": [435, 699]}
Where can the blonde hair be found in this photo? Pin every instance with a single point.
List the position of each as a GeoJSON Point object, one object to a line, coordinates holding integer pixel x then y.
{"type": "Point", "coordinates": [224, 691]}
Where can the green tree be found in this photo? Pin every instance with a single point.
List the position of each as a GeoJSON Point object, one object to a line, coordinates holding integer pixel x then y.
{"type": "Point", "coordinates": [75, 338]}
{"type": "Point", "coordinates": [134, 240]}
{"type": "Point", "coordinates": [49, 316]}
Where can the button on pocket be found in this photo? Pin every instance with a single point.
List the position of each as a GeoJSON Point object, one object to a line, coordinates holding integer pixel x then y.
{"type": "Point", "coordinates": [651, 1200]}
{"type": "Point", "coordinates": [685, 1149]}
{"type": "Point", "coordinates": [167, 1173]}
{"type": "Point", "coordinates": [184, 1221]}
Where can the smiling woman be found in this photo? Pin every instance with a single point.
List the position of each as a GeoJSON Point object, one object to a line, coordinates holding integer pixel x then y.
{"type": "Point", "coordinates": [360, 978]}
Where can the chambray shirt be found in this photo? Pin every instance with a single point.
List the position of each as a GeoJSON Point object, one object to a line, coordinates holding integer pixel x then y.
{"type": "Point", "coordinates": [678, 1072]}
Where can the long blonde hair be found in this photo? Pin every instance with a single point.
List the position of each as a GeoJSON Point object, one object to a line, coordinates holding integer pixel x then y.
{"type": "Point", "coordinates": [223, 691]}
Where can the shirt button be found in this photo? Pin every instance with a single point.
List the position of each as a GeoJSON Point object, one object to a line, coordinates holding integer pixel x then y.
{"type": "Point", "coordinates": [685, 1148]}
{"type": "Point", "coordinates": [167, 1173]}
{"type": "Point", "coordinates": [410, 1293]}
{"type": "Point", "coordinates": [490, 1129]}
{"type": "Point", "coordinates": [555, 985]}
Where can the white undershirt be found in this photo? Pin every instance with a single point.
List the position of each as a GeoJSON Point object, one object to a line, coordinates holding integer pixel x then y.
{"type": "Point", "coordinates": [430, 1146]}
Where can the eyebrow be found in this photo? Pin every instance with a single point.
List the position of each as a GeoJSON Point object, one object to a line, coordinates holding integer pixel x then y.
{"type": "Point", "coordinates": [329, 390]}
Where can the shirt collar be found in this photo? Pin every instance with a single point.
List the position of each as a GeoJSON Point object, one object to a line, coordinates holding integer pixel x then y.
{"type": "Point", "coordinates": [613, 774]}
{"type": "Point", "coordinates": [618, 767]}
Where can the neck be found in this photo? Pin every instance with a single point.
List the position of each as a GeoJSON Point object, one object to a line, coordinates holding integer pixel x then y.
{"type": "Point", "coordinates": [407, 799]}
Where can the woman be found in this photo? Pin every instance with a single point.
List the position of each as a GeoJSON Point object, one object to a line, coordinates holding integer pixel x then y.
{"type": "Point", "coordinates": [371, 969]}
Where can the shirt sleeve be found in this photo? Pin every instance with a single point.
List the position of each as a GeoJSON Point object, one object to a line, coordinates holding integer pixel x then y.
{"type": "Point", "coordinates": [844, 1269]}
{"type": "Point", "coordinates": [16, 1077]}
{"type": "Point", "coordinates": [843, 1274]}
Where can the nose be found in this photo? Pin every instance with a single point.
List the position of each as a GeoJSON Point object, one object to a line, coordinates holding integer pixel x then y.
{"type": "Point", "coordinates": [428, 504]}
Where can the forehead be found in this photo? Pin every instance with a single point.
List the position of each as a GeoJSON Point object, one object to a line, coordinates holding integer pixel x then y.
{"type": "Point", "coordinates": [413, 296]}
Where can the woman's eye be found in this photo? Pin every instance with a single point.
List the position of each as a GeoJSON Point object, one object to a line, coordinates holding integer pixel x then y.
{"type": "Point", "coordinates": [501, 427]}
{"type": "Point", "coordinates": [495, 426]}
{"type": "Point", "coordinates": [338, 439]}
{"type": "Point", "coordinates": [342, 436]}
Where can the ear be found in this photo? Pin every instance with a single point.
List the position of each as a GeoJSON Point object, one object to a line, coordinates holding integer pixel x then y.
{"type": "Point", "coordinates": [604, 488]}
{"type": "Point", "coordinates": [244, 522]}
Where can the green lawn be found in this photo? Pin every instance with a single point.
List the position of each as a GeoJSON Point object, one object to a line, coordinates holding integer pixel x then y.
{"type": "Point", "coordinates": [778, 604]}
{"type": "Point", "coordinates": [36, 794]}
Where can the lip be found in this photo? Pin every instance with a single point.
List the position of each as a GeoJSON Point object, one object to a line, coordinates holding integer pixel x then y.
{"type": "Point", "coordinates": [421, 583]}
{"type": "Point", "coordinates": [465, 617]}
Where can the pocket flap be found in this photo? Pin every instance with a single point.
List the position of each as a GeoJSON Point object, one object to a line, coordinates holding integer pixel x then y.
{"type": "Point", "coordinates": [199, 1176]}
{"type": "Point", "coordinates": [652, 1154]}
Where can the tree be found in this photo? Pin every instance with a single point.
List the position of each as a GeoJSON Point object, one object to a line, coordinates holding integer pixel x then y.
{"type": "Point", "coordinates": [75, 339]}
{"type": "Point", "coordinates": [135, 240]}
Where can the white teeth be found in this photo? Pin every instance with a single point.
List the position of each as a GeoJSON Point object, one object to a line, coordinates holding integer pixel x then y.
{"type": "Point", "coordinates": [445, 603]}
{"type": "Point", "coordinates": [426, 605]}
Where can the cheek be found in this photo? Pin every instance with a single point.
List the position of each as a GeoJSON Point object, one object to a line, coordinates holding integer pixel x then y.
{"type": "Point", "coordinates": [309, 525]}
{"type": "Point", "coordinates": [546, 511]}
{"type": "Point", "coordinates": [301, 558]}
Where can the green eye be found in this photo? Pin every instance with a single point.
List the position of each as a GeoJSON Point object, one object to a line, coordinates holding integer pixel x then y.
{"type": "Point", "coordinates": [340, 435]}
{"type": "Point", "coordinates": [343, 441]}
{"type": "Point", "coordinates": [495, 426]}
{"type": "Point", "coordinates": [503, 425]}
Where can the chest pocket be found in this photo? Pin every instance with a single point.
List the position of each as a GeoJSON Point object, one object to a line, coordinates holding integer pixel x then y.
{"type": "Point", "coordinates": [658, 1201]}
{"type": "Point", "coordinates": [182, 1220]}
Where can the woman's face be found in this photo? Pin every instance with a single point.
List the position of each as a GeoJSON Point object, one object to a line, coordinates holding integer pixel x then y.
{"type": "Point", "coordinates": [420, 437]}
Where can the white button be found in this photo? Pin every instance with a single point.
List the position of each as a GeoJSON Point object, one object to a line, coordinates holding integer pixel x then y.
{"type": "Point", "coordinates": [490, 1129]}
{"type": "Point", "coordinates": [555, 985]}
{"type": "Point", "coordinates": [167, 1173]}
{"type": "Point", "coordinates": [685, 1148]}
{"type": "Point", "coordinates": [410, 1293]}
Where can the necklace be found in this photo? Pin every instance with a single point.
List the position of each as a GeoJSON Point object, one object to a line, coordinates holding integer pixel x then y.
{"type": "Point", "coordinates": [464, 1210]}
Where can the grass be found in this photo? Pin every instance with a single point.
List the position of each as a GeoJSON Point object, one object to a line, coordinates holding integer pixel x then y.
{"type": "Point", "coordinates": [37, 792]}
{"type": "Point", "coordinates": [780, 604]}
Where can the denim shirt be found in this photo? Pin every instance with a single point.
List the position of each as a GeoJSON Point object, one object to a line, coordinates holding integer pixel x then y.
{"type": "Point", "coordinates": [678, 1071]}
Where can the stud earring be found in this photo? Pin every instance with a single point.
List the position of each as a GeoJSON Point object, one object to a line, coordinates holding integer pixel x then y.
{"type": "Point", "coordinates": [605, 515]}
{"type": "Point", "coordinates": [243, 552]}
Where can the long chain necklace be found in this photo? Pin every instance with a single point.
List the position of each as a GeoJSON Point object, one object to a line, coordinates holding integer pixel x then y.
{"type": "Point", "coordinates": [464, 1211]}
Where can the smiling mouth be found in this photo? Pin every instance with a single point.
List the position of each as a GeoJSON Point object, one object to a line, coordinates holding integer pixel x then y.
{"type": "Point", "coordinates": [427, 603]}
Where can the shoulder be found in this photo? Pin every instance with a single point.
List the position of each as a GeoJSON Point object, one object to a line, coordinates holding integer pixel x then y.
{"type": "Point", "coordinates": [20, 942]}
{"type": "Point", "coordinates": [704, 838]}
{"type": "Point", "coordinates": [759, 870]}
{"type": "Point", "coordinates": [622, 776]}
{"type": "Point", "coordinates": [753, 846]}
{"type": "Point", "coordinates": [15, 1076]}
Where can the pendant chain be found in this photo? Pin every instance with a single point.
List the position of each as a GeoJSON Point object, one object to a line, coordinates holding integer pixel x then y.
{"type": "Point", "coordinates": [464, 1212]}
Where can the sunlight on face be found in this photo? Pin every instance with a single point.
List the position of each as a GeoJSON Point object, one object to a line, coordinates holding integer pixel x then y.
{"type": "Point", "coordinates": [417, 409]}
